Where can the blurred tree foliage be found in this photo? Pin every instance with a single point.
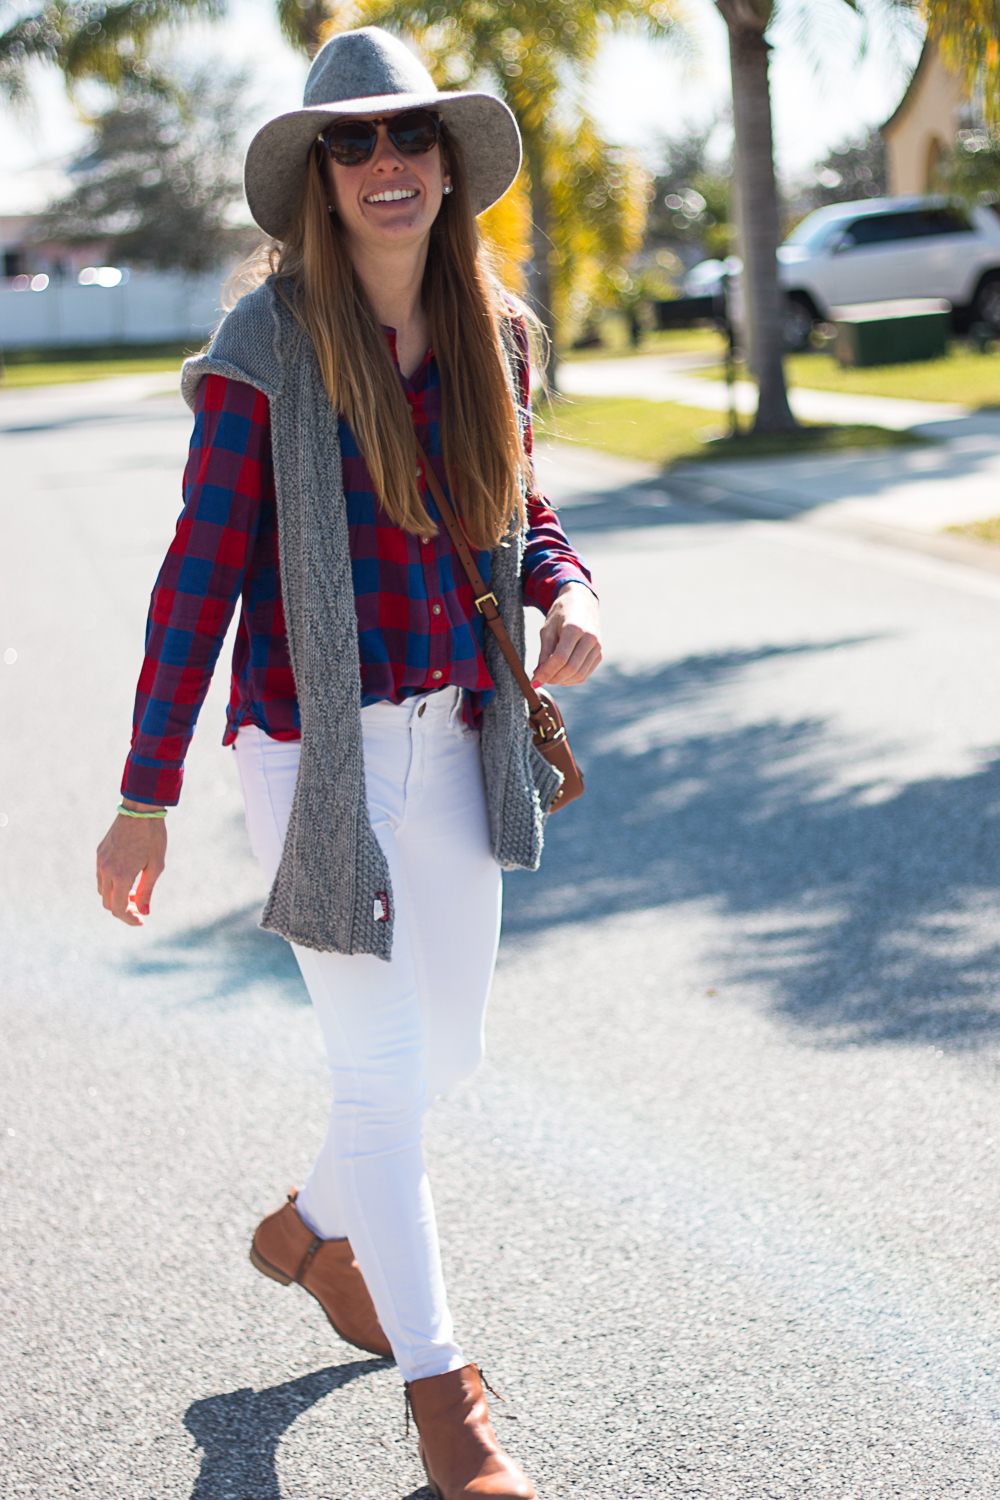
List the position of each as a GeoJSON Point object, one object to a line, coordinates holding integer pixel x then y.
{"type": "Point", "coordinates": [160, 176]}
{"type": "Point", "coordinates": [597, 199]}
{"type": "Point", "coordinates": [689, 209]}
{"type": "Point", "coordinates": [582, 201]}
{"type": "Point", "coordinates": [971, 170]}
{"type": "Point", "coordinates": [88, 40]}
{"type": "Point", "coordinates": [507, 228]}
{"type": "Point", "coordinates": [855, 170]}
{"type": "Point", "coordinates": [968, 34]}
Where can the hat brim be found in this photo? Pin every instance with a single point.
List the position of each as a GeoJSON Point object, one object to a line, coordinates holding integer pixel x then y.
{"type": "Point", "coordinates": [279, 153]}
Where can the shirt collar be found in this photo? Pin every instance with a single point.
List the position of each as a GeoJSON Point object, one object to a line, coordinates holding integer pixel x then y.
{"type": "Point", "coordinates": [418, 379]}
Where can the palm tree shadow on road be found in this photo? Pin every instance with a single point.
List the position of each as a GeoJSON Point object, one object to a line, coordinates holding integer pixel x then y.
{"type": "Point", "coordinates": [866, 918]}
{"type": "Point", "coordinates": [239, 1431]}
{"type": "Point", "coordinates": [221, 955]}
{"type": "Point", "coordinates": [863, 917]}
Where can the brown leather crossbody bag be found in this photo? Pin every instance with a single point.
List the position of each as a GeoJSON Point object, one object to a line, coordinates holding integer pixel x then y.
{"type": "Point", "coordinates": [549, 733]}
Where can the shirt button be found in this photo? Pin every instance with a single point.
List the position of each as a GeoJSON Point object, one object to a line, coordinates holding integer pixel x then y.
{"type": "Point", "coordinates": [435, 609]}
{"type": "Point", "coordinates": [437, 674]}
{"type": "Point", "coordinates": [425, 541]}
{"type": "Point", "coordinates": [420, 473]}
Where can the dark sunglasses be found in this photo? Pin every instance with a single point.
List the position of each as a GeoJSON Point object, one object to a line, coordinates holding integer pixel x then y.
{"type": "Point", "coordinates": [351, 142]}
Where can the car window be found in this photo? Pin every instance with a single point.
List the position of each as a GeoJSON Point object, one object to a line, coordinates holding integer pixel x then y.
{"type": "Point", "coordinates": [914, 224]}
{"type": "Point", "coordinates": [880, 229]}
{"type": "Point", "coordinates": [813, 236]}
{"type": "Point", "coordinates": [941, 221]}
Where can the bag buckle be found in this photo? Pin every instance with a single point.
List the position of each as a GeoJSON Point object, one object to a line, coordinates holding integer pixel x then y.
{"type": "Point", "coordinates": [482, 600]}
{"type": "Point", "coordinates": [546, 725]}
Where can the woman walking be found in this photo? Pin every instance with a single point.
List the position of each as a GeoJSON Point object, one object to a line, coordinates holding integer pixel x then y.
{"type": "Point", "coordinates": [382, 741]}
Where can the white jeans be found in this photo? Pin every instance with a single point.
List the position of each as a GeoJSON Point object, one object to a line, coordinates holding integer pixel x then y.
{"type": "Point", "coordinates": [396, 1033]}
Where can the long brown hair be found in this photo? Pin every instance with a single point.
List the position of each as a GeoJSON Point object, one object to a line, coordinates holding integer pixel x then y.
{"type": "Point", "coordinates": [471, 332]}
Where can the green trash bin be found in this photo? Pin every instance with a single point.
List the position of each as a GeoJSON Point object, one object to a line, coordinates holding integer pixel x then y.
{"type": "Point", "coordinates": [892, 333]}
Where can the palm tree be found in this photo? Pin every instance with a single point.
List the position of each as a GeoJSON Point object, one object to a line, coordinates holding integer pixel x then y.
{"type": "Point", "coordinates": [757, 209]}
{"type": "Point", "coordinates": [968, 34]}
{"type": "Point", "coordinates": [757, 204]}
{"type": "Point", "coordinates": [86, 39]}
{"type": "Point", "coordinates": [586, 202]}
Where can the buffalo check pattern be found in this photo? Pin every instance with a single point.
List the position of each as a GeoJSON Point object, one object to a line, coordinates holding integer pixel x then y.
{"type": "Point", "coordinates": [418, 629]}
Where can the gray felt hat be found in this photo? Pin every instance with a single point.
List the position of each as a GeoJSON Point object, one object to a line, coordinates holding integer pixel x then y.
{"type": "Point", "coordinates": [370, 72]}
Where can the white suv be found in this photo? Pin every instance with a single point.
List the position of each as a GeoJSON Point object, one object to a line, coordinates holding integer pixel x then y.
{"type": "Point", "coordinates": [887, 248]}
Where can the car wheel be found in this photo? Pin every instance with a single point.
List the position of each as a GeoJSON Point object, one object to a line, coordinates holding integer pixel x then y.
{"type": "Point", "coordinates": [987, 303]}
{"type": "Point", "coordinates": [798, 323]}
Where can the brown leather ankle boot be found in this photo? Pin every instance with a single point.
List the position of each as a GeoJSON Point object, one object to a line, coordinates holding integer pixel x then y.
{"type": "Point", "coordinates": [458, 1448]}
{"type": "Point", "coordinates": [286, 1249]}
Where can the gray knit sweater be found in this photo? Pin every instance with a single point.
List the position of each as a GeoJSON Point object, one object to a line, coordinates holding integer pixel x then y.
{"type": "Point", "coordinates": [333, 868]}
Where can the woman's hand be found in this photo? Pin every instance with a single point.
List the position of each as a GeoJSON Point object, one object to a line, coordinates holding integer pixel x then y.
{"type": "Point", "coordinates": [571, 638]}
{"type": "Point", "coordinates": [130, 860]}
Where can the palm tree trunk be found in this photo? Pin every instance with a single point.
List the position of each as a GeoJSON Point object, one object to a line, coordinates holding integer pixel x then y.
{"type": "Point", "coordinates": [758, 210]}
{"type": "Point", "coordinates": [539, 271]}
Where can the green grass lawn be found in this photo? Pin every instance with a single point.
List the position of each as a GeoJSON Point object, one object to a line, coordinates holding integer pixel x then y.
{"type": "Point", "coordinates": [32, 367]}
{"type": "Point", "coordinates": [979, 531]}
{"type": "Point", "coordinates": [964, 376]}
{"type": "Point", "coordinates": [663, 433]}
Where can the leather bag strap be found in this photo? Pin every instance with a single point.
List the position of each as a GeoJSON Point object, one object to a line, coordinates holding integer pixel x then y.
{"type": "Point", "coordinates": [485, 602]}
{"type": "Point", "coordinates": [548, 731]}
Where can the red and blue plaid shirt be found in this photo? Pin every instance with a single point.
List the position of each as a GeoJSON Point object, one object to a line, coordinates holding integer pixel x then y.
{"type": "Point", "coordinates": [417, 626]}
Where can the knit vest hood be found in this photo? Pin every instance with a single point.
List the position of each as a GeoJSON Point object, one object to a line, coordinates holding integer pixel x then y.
{"type": "Point", "coordinates": [329, 889]}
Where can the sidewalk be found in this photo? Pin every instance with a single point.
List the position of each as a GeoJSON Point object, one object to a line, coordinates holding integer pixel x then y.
{"type": "Point", "coordinates": [917, 489]}
{"type": "Point", "coordinates": [657, 378]}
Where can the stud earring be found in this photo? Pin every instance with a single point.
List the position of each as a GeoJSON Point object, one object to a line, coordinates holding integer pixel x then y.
{"type": "Point", "coordinates": [446, 189]}
{"type": "Point", "coordinates": [331, 210]}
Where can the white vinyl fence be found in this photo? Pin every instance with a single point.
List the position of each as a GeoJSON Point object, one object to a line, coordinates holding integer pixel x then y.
{"type": "Point", "coordinates": [142, 308]}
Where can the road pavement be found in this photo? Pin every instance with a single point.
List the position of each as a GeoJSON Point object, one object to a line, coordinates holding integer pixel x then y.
{"type": "Point", "coordinates": [719, 1211]}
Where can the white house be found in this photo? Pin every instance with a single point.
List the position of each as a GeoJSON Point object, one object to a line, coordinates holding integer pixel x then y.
{"type": "Point", "coordinates": [55, 295]}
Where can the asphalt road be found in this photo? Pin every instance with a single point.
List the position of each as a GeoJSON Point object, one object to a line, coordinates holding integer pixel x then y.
{"type": "Point", "coordinates": [719, 1211]}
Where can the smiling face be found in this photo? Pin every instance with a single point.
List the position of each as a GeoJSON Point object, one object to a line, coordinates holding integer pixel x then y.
{"type": "Point", "coordinates": [388, 201]}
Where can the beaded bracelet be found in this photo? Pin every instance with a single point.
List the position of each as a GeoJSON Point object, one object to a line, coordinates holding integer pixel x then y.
{"type": "Point", "coordinates": [126, 812]}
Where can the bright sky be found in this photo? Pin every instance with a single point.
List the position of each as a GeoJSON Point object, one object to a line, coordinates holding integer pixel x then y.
{"type": "Point", "coordinates": [639, 92]}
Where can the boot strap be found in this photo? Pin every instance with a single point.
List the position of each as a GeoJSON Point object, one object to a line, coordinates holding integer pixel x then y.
{"type": "Point", "coordinates": [303, 1267]}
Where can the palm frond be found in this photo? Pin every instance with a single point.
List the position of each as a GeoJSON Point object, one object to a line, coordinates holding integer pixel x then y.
{"type": "Point", "coordinates": [87, 39]}
{"type": "Point", "coordinates": [968, 35]}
